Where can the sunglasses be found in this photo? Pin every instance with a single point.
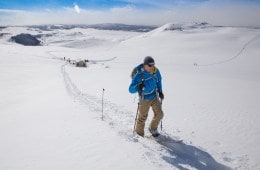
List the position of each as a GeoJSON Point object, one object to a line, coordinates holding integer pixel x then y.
{"type": "Point", "coordinates": [151, 65]}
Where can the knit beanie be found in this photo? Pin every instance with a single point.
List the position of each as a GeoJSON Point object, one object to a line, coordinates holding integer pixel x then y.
{"type": "Point", "coordinates": [148, 60]}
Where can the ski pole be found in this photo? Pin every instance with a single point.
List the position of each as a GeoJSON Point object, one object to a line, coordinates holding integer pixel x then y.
{"type": "Point", "coordinates": [103, 103]}
{"type": "Point", "coordinates": [140, 98]}
{"type": "Point", "coordinates": [161, 120]}
{"type": "Point", "coordinates": [161, 125]}
{"type": "Point", "coordinates": [136, 117]}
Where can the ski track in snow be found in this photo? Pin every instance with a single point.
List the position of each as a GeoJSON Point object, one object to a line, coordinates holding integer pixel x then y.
{"type": "Point", "coordinates": [235, 56]}
{"type": "Point", "coordinates": [177, 155]}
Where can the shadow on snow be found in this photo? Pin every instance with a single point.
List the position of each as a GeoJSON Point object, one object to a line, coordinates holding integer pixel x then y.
{"type": "Point", "coordinates": [185, 156]}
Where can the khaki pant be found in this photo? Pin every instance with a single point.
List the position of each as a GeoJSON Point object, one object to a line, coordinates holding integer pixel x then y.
{"type": "Point", "coordinates": [144, 107]}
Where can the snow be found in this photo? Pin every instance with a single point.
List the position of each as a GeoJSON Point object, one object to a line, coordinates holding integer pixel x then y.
{"type": "Point", "coordinates": [50, 111]}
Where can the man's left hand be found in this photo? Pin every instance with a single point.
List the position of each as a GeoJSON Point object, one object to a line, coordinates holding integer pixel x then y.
{"type": "Point", "coordinates": [161, 95]}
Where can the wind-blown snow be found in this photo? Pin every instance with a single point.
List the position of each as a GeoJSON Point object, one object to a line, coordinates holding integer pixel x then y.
{"type": "Point", "coordinates": [50, 110]}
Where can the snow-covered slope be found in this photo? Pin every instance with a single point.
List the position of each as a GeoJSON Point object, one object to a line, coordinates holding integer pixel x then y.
{"type": "Point", "coordinates": [50, 112]}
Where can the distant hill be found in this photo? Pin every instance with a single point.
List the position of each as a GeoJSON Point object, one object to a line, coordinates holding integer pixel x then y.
{"type": "Point", "coordinates": [115, 27]}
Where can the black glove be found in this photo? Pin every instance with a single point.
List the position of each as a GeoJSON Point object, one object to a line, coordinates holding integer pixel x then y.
{"type": "Point", "coordinates": [140, 88]}
{"type": "Point", "coordinates": [161, 95]}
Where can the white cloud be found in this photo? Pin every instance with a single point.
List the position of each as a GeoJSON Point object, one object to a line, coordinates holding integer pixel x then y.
{"type": "Point", "coordinates": [76, 7]}
{"type": "Point", "coordinates": [128, 8]}
{"type": "Point", "coordinates": [232, 15]}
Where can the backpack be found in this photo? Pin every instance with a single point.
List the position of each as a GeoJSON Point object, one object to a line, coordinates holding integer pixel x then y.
{"type": "Point", "coordinates": [136, 71]}
{"type": "Point", "coordinates": [133, 73]}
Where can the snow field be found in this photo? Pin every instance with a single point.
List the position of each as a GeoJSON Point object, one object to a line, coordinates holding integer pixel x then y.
{"type": "Point", "coordinates": [51, 111]}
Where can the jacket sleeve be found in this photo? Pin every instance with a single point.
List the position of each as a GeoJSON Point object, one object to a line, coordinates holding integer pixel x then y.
{"type": "Point", "coordinates": [134, 84]}
{"type": "Point", "coordinates": [159, 82]}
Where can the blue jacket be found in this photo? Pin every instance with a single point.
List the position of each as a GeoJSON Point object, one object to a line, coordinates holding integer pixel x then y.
{"type": "Point", "coordinates": [152, 82]}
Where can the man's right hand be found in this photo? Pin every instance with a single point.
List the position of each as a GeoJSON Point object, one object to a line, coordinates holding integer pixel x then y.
{"type": "Point", "coordinates": [140, 88]}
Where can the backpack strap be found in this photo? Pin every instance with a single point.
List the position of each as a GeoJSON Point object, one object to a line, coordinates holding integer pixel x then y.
{"type": "Point", "coordinates": [141, 75]}
{"type": "Point", "coordinates": [141, 96]}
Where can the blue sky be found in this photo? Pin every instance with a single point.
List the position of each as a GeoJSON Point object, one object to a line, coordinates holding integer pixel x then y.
{"type": "Point", "coordinates": [24, 4]}
{"type": "Point", "coordinates": [145, 12]}
{"type": "Point", "coordinates": [104, 4]}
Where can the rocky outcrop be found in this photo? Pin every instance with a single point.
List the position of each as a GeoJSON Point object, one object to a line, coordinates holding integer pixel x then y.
{"type": "Point", "coordinates": [26, 39]}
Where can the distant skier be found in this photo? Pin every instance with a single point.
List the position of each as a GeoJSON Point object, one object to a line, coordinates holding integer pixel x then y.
{"type": "Point", "coordinates": [146, 80]}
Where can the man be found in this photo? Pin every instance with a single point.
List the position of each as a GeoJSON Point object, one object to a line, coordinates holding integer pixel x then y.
{"type": "Point", "coordinates": [146, 80]}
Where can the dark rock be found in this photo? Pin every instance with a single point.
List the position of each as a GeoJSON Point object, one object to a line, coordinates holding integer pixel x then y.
{"type": "Point", "coordinates": [26, 39]}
